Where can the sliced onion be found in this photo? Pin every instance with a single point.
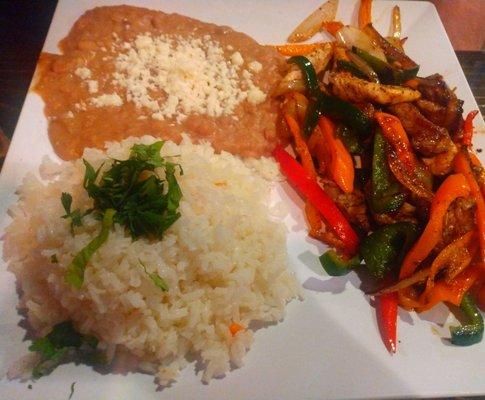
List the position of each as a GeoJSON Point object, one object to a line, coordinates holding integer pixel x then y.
{"type": "Point", "coordinates": [320, 58]}
{"type": "Point", "coordinates": [396, 23]}
{"type": "Point", "coordinates": [419, 276]}
{"type": "Point", "coordinates": [350, 36]}
{"type": "Point", "coordinates": [312, 24]}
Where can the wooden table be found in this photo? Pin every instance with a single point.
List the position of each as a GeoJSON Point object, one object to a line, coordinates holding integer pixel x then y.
{"type": "Point", "coordinates": [23, 28]}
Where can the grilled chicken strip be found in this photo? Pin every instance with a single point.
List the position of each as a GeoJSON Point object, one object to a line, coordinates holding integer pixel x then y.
{"type": "Point", "coordinates": [440, 105]}
{"type": "Point", "coordinates": [350, 88]}
{"type": "Point", "coordinates": [427, 138]}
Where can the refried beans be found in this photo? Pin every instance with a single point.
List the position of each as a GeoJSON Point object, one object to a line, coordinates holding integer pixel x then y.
{"type": "Point", "coordinates": [120, 70]}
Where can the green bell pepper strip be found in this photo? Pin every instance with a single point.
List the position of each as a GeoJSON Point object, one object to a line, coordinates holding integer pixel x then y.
{"type": "Point", "coordinates": [335, 265]}
{"type": "Point", "coordinates": [387, 246]}
{"type": "Point", "coordinates": [386, 72]}
{"type": "Point", "coordinates": [311, 118]}
{"type": "Point", "coordinates": [345, 112]}
{"type": "Point", "coordinates": [349, 139]}
{"type": "Point", "coordinates": [385, 196]}
{"type": "Point", "coordinates": [332, 106]}
{"type": "Point", "coordinates": [471, 333]}
{"type": "Point", "coordinates": [308, 72]}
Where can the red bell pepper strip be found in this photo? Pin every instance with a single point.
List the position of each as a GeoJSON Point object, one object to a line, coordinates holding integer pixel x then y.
{"type": "Point", "coordinates": [468, 128]}
{"type": "Point", "coordinates": [310, 189]}
{"type": "Point", "coordinates": [387, 319]}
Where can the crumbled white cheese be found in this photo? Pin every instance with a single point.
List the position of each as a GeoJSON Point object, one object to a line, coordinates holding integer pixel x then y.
{"type": "Point", "coordinates": [255, 66]}
{"type": "Point", "coordinates": [237, 59]}
{"type": "Point", "coordinates": [247, 75]}
{"type": "Point", "coordinates": [229, 47]}
{"type": "Point", "coordinates": [107, 100]}
{"type": "Point", "coordinates": [80, 106]}
{"type": "Point", "coordinates": [256, 95]}
{"type": "Point", "coordinates": [92, 86]}
{"type": "Point", "coordinates": [173, 76]}
{"type": "Point", "coordinates": [69, 114]}
{"type": "Point", "coordinates": [83, 72]}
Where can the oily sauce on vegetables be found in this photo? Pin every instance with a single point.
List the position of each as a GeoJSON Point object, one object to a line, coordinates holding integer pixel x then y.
{"type": "Point", "coordinates": [392, 151]}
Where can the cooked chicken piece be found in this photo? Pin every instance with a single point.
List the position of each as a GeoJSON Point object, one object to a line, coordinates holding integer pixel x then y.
{"type": "Point", "coordinates": [350, 88]}
{"type": "Point", "coordinates": [434, 88]}
{"type": "Point", "coordinates": [352, 204]}
{"type": "Point", "coordinates": [449, 117]}
{"type": "Point", "coordinates": [433, 111]}
{"type": "Point", "coordinates": [441, 104]}
{"type": "Point", "coordinates": [405, 213]}
{"type": "Point", "coordinates": [442, 164]}
{"type": "Point", "coordinates": [427, 138]}
{"type": "Point", "coordinates": [458, 220]}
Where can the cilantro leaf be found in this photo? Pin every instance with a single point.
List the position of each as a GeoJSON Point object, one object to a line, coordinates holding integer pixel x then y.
{"type": "Point", "coordinates": [55, 346]}
{"type": "Point", "coordinates": [155, 278]}
{"type": "Point", "coordinates": [75, 270]}
{"type": "Point", "coordinates": [148, 153]}
{"type": "Point", "coordinates": [75, 216]}
{"type": "Point", "coordinates": [54, 259]}
{"type": "Point", "coordinates": [66, 200]}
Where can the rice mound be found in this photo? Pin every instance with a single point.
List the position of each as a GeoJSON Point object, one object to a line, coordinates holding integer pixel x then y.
{"type": "Point", "coordinates": [224, 261]}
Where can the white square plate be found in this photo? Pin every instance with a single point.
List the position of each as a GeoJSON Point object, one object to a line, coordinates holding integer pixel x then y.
{"type": "Point", "coordinates": [329, 345]}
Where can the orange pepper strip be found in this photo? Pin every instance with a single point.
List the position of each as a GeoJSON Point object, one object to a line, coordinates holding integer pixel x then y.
{"type": "Point", "coordinates": [301, 146]}
{"type": "Point", "coordinates": [394, 132]}
{"type": "Point", "coordinates": [319, 150]}
{"type": "Point", "coordinates": [332, 27]}
{"type": "Point", "coordinates": [234, 328]}
{"type": "Point", "coordinates": [462, 164]}
{"type": "Point", "coordinates": [468, 128]}
{"type": "Point", "coordinates": [448, 255]}
{"type": "Point", "coordinates": [451, 292]}
{"type": "Point", "coordinates": [341, 165]}
{"type": "Point", "coordinates": [314, 218]}
{"type": "Point", "coordinates": [454, 186]}
{"type": "Point", "coordinates": [296, 49]}
{"type": "Point", "coordinates": [365, 13]}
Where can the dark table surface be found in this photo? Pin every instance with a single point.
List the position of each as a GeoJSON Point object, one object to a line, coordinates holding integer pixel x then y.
{"type": "Point", "coordinates": [23, 28]}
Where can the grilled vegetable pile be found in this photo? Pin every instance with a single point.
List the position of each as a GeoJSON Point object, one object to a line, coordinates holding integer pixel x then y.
{"type": "Point", "coordinates": [385, 164]}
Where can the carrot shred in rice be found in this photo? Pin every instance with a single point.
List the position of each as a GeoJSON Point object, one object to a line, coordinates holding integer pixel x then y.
{"type": "Point", "coordinates": [235, 328]}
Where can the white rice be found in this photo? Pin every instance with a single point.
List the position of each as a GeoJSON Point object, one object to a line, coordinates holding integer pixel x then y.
{"type": "Point", "coordinates": [224, 261]}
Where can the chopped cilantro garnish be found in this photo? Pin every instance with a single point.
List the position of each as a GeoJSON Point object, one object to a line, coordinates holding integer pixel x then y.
{"type": "Point", "coordinates": [75, 216]}
{"type": "Point", "coordinates": [75, 270]}
{"type": "Point", "coordinates": [54, 347]}
{"type": "Point", "coordinates": [54, 259]}
{"type": "Point", "coordinates": [156, 279]}
{"type": "Point", "coordinates": [130, 193]}
{"type": "Point", "coordinates": [145, 204]}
